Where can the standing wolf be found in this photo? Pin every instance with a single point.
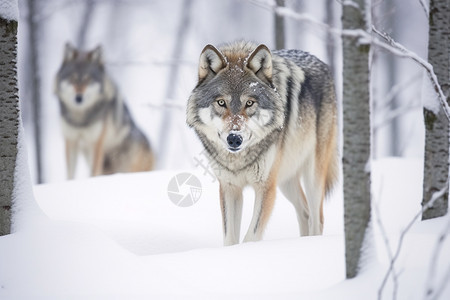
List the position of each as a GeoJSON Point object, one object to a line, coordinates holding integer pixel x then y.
{"type": "Point", "coordinates": [266, 119]}
{"type": "Point", "coordinates": [95, 119]}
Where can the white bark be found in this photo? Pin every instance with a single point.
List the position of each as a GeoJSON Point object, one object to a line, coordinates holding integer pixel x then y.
{"type": "Point", "coordinates": [9, 119]}
{"type": "Point", "coordinates": [357, 138]}
{"type": "Point", "coordinates": [436, 165]}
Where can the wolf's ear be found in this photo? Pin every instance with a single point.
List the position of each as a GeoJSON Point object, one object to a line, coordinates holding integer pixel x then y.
{"type": "Point", "coordinates": [70, 52]}
{"type": "Point", "coordinates": [96, 55]}
{"type": "Point", "coordinates": [260, 62]}
{"type": "Point", "coordinates": [211, 62]}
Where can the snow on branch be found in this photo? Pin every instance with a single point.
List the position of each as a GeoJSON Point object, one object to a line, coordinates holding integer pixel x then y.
{"type": "Point", "coordinates": [288, 12]}
{"type": "Point", "coordinates": [9, 10]}
{"type": "Point", "coordinates": [400, 50]}
{"type": "Point", "coordinates": [349, 3]}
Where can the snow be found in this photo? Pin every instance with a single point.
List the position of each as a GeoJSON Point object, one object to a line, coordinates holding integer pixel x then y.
{"type": "Point", "coordinates": [25, 207]}
{"type": "Point", "coordinates": [9, 10]}
{"type": "Point", "coordinates": [430, 99]}
{"type": "Point", "coordinates": [120, 237]}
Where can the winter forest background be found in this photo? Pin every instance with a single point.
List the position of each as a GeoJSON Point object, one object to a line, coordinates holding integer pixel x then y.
{"type": "Point", "coordinates": [151, 50]}
{"type": "Point", "coordinates": [120, 237]}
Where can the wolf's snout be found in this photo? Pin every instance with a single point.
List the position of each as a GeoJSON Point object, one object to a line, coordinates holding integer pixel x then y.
{"type": "Point", "coordinates": [234, 141]}
{"type": "Point", "coordinates": [78, 98]}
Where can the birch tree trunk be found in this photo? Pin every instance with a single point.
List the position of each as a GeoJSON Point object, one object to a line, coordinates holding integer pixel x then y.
{"type": "Point", "coordinates": [357, 136]}
{"type": "Point", "coordinates": [280, 40]}
{"type": "Point", "coordinates": [9, 119]}
{"type": "Point", "coordinates": [172, 79]}
{"type": "Point", "coordinates": [35, 84]}
{"type": "Point", "coordinates": [435, 177]}
{"type": "Point", "coordinates": [329, 19]}
{"type": "Point", "coordinates": [85, 24]}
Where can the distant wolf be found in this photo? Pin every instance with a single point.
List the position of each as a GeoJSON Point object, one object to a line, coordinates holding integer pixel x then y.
{"type": "Point", "coordinates": [95, 119]}
{"type": "Point", "coordinates": [266, 119]}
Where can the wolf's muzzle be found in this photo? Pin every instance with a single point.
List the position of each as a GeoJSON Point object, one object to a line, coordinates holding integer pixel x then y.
{"type": "Point", "coordinates": [234, 141]}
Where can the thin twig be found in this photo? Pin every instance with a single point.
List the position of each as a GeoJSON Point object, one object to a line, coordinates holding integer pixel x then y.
{"type": "Point", "coordinates": [402, 51]}
{"type": "Point", "coordinates": [397, 89]}
{"type": "Point", "coordinates": [388, 249]}
{"type": "Point", "coordinates": [430, 292]}
{"type": "Point", "coordinates": [364, 37]}
{"type": "Point", "coordinates": [124, 63]}
{"type": "Point", "coordinates": [425, 8]}
{"type": "Point", "coordinates": [437, 195]}
{"type": "Point", "coordinates": [167, 105]}
{"type": "Point", "coordinates": [394, 113]}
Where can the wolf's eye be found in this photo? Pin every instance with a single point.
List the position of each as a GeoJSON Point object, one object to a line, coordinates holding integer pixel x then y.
{"type": "Point", "coordinates": [221, 102]}
{"type": "Point", "coordinates": [249, 103]}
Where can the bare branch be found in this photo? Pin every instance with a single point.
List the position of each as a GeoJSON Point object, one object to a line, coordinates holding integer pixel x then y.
{"type": "Point", "coordinates": [365, 37]}
{"type": "Point", "coordinates": [425, 8]}
{"type": "Point", "coordinates": [437, 195]}
{"type": "Point", "coordinates": [167, 105]}
{"type": "Point", "coordinates": [400, 50]}
{"type": "Point", "coordinates": [388, 249]}
{"type": "Point", "coordinates": [394, 113]}
{"type": "Point", "coordinates": [170, 62]}
{"type": "Point", "coordinates": [397, 89]}
{"type": "Point", "coordinates": [288, 12]}
{"type": "Point", "coordinates": [393, 92]}
{"type": "Point", "coordinates": [434, 292]}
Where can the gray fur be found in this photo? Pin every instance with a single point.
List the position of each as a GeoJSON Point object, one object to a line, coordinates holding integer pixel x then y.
{"type": "Point", "coordinates": [296, 91]}
{"type": "Point", "coordinates": [99, 123]}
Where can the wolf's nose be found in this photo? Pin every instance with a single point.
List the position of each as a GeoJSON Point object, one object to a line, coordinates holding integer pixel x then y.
{"type": "Point", "coordinates": [78, 98]}
{"type": "Point", "coordinates": [234, 141]}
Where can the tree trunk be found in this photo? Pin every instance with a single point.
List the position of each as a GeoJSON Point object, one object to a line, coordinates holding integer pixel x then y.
{"type": "Point", "coordinates": [391, 77]}
{"type": "Point", "coordinates": [9, 119]}
{"type": "Point", "coordinates": [166, 123]}
{"type": "Point", "coordinates": [435, 177]}
{"type": "Point", "coordinates": [280, 41]}
{"type": "Point", "coordinates": [357, 134]}
{"type": "Point", "coordinates": [85, 24]}
{"type": "Point", "coordinates": [330, 37]}
{"type": "Point", "coordinates": [35, 82]}
{"type": "Point", "coordinates": [299, 38]}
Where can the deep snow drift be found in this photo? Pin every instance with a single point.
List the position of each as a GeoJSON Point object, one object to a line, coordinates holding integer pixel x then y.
{"type": "Point", "coordinates": [120, 237]}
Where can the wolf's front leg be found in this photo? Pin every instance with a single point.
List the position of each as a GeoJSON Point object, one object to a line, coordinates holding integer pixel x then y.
{"type": "Point", "coordinates": [99, 154]}
{"type": "Point", "coordinates": [231, 207]}
{"type": "Point", "coordinates": [71, 157]}
{"type": "Point", "coordinates": [265, 194]}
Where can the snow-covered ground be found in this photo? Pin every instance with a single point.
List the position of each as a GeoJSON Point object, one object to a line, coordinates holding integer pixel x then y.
{"type": "Point", "coordinates": [120, 237]}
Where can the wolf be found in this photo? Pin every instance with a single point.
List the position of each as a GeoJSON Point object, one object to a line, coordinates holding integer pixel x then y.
{"type": "Point", "coordinates": [95, 119]}
{"type": "Point", "coordinates": [266, 119]}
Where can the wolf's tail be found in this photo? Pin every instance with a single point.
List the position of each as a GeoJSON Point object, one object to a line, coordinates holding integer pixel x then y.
{"type": "Point", "coordinates": [332, 175]}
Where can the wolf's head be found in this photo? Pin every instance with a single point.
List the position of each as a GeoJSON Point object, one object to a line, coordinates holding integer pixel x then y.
{"type": "Point", "coordinates": [81, 79]}
{"type": "Point", "coordinates": [235, 102]}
